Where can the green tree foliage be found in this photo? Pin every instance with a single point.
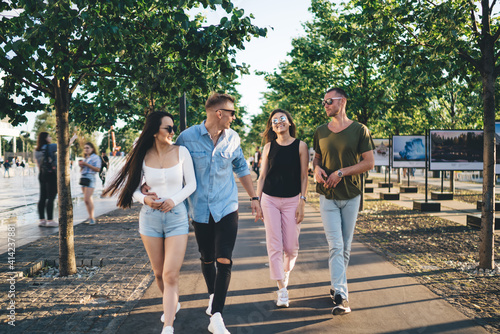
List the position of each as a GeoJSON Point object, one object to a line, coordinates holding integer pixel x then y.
{"type": "Point", "coordinates": [112, 50]}
{"type": "Point", "coordinates": [124, 137]}
{"type": "Point", "coordinates": [195, 60]}
{"type": "Point", "coordinates": [254, 137]}
{"type": "Point", "coordinates": [393, 88]}
{"type": "Point", "coordinates": [460, 32]}
{"type": "Point", "coordinates": [46, 122]}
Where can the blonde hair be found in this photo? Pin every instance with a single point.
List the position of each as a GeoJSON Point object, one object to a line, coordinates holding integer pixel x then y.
{"type": "Point", "coordinates": [216, 99]}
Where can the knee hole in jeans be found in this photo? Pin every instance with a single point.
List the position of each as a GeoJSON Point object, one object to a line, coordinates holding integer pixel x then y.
{"type": "Point", "coordinates": [223, 260]}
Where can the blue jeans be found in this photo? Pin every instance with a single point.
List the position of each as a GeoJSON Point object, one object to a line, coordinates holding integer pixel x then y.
{"type": "Point", "coordinates": [339, 220]}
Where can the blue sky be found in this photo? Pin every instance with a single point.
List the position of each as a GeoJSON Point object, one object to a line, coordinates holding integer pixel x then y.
{"type": "Point", "coordinates": [283, 20]}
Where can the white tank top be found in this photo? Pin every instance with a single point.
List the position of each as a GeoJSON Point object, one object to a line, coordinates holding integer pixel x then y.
{"type": "Point", "coordinates": [176, 182]}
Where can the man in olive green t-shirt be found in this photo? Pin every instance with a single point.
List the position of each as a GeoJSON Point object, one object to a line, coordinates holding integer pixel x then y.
{"type": "Point", "coordinates": [344, 150]}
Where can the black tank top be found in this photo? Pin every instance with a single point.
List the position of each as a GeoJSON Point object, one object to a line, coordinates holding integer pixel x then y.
{"type": "Point", "coordinates": [283, 172]}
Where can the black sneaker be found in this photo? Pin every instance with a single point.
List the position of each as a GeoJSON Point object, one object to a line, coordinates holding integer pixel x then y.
{"type": "Point", "coordinates": [341, 305]}
{"type": "Point", "coordinates": [332, 294]}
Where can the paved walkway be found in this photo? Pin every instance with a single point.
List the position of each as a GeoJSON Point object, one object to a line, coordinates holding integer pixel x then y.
{"type": "Point", "coordinates": [383, 298]}
{"type": "Point", "coordinates": [18, 205]}
{"type": "Point", "coordinates": [122, 298]}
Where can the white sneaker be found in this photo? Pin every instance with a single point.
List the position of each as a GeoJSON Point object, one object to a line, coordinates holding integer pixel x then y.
{"type": "Point", "coordinates": [282, 300]}
{"type": "Point", "coordinates": [208, 311]}
{"type": "Point", "coordinates": [177, 310]}
{"type": "Point", "coordinates": [168, 330]}
{"type": "Point", "coordinates": [42, 223]}
{"type": "Point", "coordinates": [51, 223]}
{"type": "Point", "coordinates": [217, 325]}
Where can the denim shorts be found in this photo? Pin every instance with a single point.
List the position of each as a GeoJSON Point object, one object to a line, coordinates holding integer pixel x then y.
{"type": "Point", "coordinates": [91, 177]}
{"type": "Point", "coordinates": [155, 223]}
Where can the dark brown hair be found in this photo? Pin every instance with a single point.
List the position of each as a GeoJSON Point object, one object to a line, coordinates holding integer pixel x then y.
{"type": "Point", "coordinates": [337, 90]}
{"type": "Point", "coordinates": [269, 134]}
{"type": "Point", "coordinates": [129, 177]}
{"type": "Point", "coordinates": [42, 140]}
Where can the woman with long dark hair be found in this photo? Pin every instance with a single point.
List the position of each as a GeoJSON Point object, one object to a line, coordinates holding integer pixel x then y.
{"type": "Point", "coordinates": [46, 160]}
{"type": "Point", "coordinates": [90, 166]}
{"type": "Point", "coordinates": [163, 221]}
{"type": "Point", "coordinates": [45, 151]}
{"type": "Point", "coordinates": [282, 187]}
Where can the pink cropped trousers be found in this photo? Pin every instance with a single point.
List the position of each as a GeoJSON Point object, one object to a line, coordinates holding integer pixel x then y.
{"type": "Point", "coordinates": [282, 233]}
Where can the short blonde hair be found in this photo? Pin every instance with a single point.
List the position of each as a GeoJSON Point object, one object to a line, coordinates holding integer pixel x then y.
{"type": "Point", "coordinates": [216, 99]}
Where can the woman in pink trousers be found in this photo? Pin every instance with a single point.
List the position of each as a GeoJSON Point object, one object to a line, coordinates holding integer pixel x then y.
{"type": "Point", "coordinates": [282, 187]}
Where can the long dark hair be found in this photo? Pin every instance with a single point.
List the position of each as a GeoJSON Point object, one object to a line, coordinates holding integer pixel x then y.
{"type": "Point", "coordinates": [42, 140]}
{"type": "Point", "coordinates": [269, 134]}
{"type": "Point", "coordinates": [130, 175]}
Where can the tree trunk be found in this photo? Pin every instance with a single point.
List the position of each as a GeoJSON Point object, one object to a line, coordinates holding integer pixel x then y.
{"type": "Point", "coordinates": [67, 262]}
{"type": "Point", "coordinates": [486, 251]}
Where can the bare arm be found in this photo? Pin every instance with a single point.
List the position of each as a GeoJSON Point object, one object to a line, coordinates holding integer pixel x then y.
{"type": "Point", "coordinates": [367, 162]}
{"type": "Point", "coordinates": [319, 173]}
{"type": "Point", "coordinates": [263, 171]}
{"type": "Point", "coordinates": [72, 140]}
{"type": "Point", "coordinates": [82, 164]}
{"type": "Point", "coordinates": [246, 182]}
{"type": "Point", "coordinates": [304, 160]}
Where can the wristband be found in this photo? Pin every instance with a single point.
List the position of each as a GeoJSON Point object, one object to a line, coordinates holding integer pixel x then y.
{"type": "Point", "coordinates": [257, 198]}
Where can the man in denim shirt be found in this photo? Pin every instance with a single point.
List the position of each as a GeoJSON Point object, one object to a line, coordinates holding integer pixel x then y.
{"type": "Point", "coordinates": [216, 152]}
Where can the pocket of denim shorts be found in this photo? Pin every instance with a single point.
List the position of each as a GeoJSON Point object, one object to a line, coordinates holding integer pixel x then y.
{"type": "Point", "coordinates": [178, 209]}
{"type": "Point", "coordinates": [147, 210]}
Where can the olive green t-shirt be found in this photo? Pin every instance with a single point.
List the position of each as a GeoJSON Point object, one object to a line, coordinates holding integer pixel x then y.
{"type": "Point", "coordinates": [339, 150]}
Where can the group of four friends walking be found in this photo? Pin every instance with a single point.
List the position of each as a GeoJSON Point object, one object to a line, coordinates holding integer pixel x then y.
{"type": "Point", "coordinates": [194, 177]}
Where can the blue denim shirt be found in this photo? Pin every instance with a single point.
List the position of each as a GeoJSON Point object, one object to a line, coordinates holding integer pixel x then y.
{"type": "Point", "coordinates": [216, 191]}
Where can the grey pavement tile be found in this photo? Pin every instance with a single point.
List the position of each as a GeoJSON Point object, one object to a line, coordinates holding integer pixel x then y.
{"type": "Point", "coordinates": [55, 305]}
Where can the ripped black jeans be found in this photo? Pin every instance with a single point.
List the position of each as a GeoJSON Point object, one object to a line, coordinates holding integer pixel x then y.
{"type": "Point", "coordinates": [216, 241]}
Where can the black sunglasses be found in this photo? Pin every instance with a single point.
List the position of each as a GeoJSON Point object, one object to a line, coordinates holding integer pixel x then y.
{"type": "Point", "coordinates": [171, 128]}
{"type": "Point", "coordinates": [230, 110]}
{"type": "Point", "coordinates": [330, 100]}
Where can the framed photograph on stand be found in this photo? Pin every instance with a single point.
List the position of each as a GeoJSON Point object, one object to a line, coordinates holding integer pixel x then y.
{"type": "Point", "coordinates": [408, 151]}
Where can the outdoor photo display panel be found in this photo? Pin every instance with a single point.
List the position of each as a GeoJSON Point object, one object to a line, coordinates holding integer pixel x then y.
{"type": "Point", "coordinates": [408, 151]}
{"type": "Point", "coordinates": [456, 150]}
{"type": "Point", "coordinates": [382, 152]}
